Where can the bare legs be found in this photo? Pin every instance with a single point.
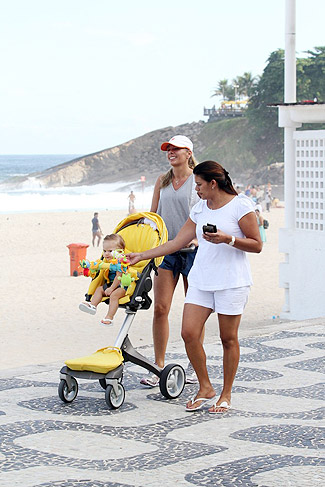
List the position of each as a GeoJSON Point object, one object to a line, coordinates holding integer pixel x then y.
{"type": "Point", "coordinates": [164, 287]}
{"type": "Point", "coordinates": [113, 300]}
{"type": "Point", "coordinates": [194, 318]}
{"type": "Point", "coordinates": [99, 237]}
{"type": "Point", "coordinates": [97, 296]}
{"type": "Point", "coordinates": [228, 326]}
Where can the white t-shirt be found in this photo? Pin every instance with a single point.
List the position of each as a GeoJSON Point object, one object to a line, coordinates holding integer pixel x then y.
{"type": "Point", "coordinates": [220, 266]}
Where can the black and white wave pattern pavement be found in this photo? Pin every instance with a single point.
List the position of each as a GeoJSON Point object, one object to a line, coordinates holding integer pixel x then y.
{"type": "Point", "coordinates": [273, 435]}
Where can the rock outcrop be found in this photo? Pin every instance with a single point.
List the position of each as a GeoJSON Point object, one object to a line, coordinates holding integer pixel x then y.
{"type": "Point", "coordinates": [124, 163]}
{"type": "Point", "coordinates": [223, 141]}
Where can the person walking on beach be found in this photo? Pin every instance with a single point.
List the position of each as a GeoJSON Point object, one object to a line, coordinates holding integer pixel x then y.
{"type": "Point", "coordinates": [96, 230]}
{"type": "Point", "coordinates": [220, 278]}
{"type": "Point", "coordinates": [173, 197]}
{"type": "Point", "coordinates": [112, 286]}
{"type": "Point", "coordinates": [268, 196]}
{"type": "Point", "coordinates": [131, 199]}
{"type": "Point", "coordinates": [260, 222]}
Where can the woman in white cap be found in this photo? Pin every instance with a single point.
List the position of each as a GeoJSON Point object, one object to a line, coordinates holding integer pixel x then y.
{"type": "Point", "coordinates": [173, 197]}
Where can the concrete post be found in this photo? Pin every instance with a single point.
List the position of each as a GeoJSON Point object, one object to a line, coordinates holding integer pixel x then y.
{"type": "Point", "coordinates": [289, 97]}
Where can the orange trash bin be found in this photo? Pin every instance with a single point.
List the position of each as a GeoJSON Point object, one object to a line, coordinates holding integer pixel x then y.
{"type": "Point", "coordinates": [77, 252]}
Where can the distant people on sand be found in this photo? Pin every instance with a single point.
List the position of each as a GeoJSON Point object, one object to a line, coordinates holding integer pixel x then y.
{"type": "Point", "coordinates": [268, 196]}
{"type": "Point", "coordinates": [131, 199]}
{"type": "Point", "coordinates": [260, 221]}
{"type": "Point", "coordinates": [260, 195]}
{"type": "Point", "coordinates": [97, 231]}
{"type": "Point", "coordinates": [248, 190]}
{"type": "Point", "coordinates": [253, 193]}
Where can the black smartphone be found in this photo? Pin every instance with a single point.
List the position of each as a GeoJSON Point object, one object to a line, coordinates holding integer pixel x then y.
{"type": "Point", "coordinates": [209, 228]}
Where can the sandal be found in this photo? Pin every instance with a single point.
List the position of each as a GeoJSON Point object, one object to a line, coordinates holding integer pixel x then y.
{"type": "Point", "coordinates": [152, 380]}
{"type": "Point", "coordinates": [224, 405]}
{"type": "Point", "coordinates": [203, 400]}
{"type": "Point", "coordinates": [106, 322]}
{"type": "Point", "coordinates": [88, 307]}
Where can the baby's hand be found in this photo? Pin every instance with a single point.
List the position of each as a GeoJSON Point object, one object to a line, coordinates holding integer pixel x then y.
{"type": "Point", "coordinates": [108, 291]}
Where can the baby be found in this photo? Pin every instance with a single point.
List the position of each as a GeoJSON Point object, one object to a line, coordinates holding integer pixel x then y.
{"type": "Point", "coordinates": [111, 286]}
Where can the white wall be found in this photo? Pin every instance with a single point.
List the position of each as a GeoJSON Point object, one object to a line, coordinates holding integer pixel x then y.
{"type": "Point", "coordinates": [303, 273]}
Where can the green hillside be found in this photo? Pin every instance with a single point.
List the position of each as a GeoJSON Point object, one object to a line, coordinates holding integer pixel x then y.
{"type": "Point", "coordinates": [233, 143]}
{"type": "Point", "coordinates": [226, 141]}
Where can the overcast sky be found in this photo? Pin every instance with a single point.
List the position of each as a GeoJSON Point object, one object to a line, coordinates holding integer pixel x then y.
{"type": "Point", "coordinates": [79, 76]}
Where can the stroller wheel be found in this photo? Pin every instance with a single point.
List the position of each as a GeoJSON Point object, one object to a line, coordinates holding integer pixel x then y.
{"type": "Point", "coordinates": [172, 381]}
{"type": "Point", "coordinates": [113, 400]}
{"type": "Point", "coordinates": [103, 383]}
{"type": "Point", "coordinates": [66, 394]}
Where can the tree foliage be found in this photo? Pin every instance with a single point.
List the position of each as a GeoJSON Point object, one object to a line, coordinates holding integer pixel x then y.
{"type": "Point", "coordinates": [268, 89]}
{"type": "Point", "coordinates": [241, 86]}
{"type": "Point", "coordinates": [247, 84]}
{"type": "Point", "coordinates": [224, 89]}
{"type": "Point", "coordinates": [263, 119]}
{"type": "Point", "coordinates": [311, 75]}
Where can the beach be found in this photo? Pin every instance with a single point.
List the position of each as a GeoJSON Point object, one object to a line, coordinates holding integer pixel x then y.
{"type": "Point", "coordinates": [40, 319]}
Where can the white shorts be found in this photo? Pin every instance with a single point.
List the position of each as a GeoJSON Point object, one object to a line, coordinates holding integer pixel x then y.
{"type": "Point", "coordinates": [226, 301]}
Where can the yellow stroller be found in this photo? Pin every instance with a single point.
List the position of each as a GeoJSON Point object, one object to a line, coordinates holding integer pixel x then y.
{"type": "Point", "coordinates": [141, 231]}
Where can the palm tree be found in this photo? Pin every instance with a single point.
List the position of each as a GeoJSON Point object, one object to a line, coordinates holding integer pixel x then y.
{"type": "Point", "coordinates": [247, 84]}
{"type": "Point", "coordinates": [222, 89]}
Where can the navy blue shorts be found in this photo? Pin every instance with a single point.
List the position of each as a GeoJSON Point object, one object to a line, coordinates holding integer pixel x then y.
{"type": "Point", "coordinates": [179, 262]}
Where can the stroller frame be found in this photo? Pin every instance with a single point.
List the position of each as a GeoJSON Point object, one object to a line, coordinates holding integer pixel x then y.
{"type": "Point", "coordinates": [171, 377]}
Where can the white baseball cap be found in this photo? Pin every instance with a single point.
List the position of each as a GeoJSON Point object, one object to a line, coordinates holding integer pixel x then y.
{"type": "Point", "coordinates": [180, 141]}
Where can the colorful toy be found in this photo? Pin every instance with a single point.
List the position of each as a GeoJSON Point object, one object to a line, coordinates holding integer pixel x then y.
{"type": "Point", "coordinates": [126, 280]}
{"type": "Point", "coordinates": [119, 263]}
{"type": "Point", "coordinates": [118, 254]}
{"type": "Point", "coordinates": [125, 263]}
{"type": "Point", "coordinates": [90, 268]}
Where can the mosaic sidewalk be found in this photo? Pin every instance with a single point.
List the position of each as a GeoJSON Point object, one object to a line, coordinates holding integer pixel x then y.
{"type": "Point", "coordinates": [273, 435]}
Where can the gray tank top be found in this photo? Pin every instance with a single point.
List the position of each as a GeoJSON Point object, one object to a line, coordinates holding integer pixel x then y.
{"type": "Point", "coordinates": [174, 205]}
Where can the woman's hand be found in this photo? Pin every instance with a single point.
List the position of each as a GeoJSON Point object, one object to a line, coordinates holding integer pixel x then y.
{"type": "Point", "coordinates": [250, 243]}
{"type": "Point", "coordinates": [216, 238]}
{"type": "Point", "coordinates": [194, 241]}
{"type": "Point", "coordinates": [134, 257]}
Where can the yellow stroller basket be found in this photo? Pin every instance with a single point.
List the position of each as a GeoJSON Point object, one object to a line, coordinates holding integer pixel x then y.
{"type": "Point", "coordinates": [104, 360]}
{"type": "Point", "coordinates": [140, 231]}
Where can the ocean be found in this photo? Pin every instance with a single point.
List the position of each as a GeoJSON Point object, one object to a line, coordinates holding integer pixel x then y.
{"type": "Point", "coordinates": [31, 198]}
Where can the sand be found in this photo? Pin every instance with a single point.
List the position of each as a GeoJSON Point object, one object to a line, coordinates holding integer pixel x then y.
{"type": "Point", "coordinates": [40, 320]}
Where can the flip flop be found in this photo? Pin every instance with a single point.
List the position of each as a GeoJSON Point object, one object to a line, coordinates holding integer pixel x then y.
{"type": "Point", "coordinates": [204, 401]}
{"type": "Point", "coordinates": [88, 308]}
{"type": "Point", "coordinates": [106, 322]}
{"type": "Point", "coordinates": [223, 405]}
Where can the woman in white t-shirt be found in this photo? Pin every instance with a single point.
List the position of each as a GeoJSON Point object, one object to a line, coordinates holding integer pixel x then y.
{"type": "Point", "coordinates": [220, 278]}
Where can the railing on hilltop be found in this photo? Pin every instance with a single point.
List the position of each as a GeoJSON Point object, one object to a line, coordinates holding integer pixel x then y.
{"type": "Point", "coordinates": [227, 109]}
